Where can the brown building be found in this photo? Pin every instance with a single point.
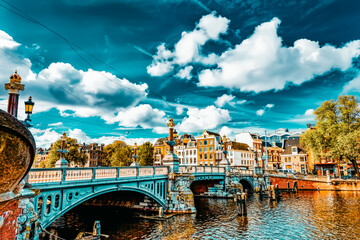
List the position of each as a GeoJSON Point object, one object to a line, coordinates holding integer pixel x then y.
{"type": "Point", "coordinates": [294, 158]}
{"type": "Point", "coordinates": [209, 151]}
{"type": "Point", "coordinates": [274, 152]}
{"type": "Point", "coordinates": [40, 157]}
{"type": "Point", "coordinates": [94, 153]}
{"type": "Point", "coordinates": [161, 148]}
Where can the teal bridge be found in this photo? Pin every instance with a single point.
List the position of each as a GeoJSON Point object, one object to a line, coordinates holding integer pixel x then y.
{"type": "Point", "coordinates": [62, 189]}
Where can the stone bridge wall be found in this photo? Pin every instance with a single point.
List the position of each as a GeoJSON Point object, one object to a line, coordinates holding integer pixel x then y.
{"type": "Point", "coordinates": [313, 184]}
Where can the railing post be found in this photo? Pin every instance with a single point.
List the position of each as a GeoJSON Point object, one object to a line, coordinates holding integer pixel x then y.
{"type": "Point", "coordinates": [93, 174]}
{"type": "Point", "coordinates": [212, 169]}
{"type": "Point", "coordinates": [63, 175]}
{"type": "Point", "coordinates": [117, 173]}
{"type": "Point", "coordinates": [137, 172]}
{"type": "Point", "coordinates": [154, 171]}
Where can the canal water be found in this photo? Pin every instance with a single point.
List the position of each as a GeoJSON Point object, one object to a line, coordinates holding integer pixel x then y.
{"type": "Point", "coordinates": [305, 215]}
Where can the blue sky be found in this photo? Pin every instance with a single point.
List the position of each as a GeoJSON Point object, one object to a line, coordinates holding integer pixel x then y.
{"type": "Point", "coordinates": [110, 70]}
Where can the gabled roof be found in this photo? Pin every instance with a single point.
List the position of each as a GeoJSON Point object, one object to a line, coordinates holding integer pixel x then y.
{"type": "Point", "coordinates": [237, 145]}
{"type": "Point", "coordinates": [288, 150]}
{"type": "Point", "coordinates": [288, 143]}
{"type": "Point", "coordinates": [211, 133]}
{"type": "Point", "coordinates": [291, 142]}
{"type": "Point", "coordinates": [160, 141]}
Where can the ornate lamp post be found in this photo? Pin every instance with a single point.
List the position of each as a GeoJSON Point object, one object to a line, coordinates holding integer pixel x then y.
{"type": "Point", "coordinates": [171, 159]}
{"type": "Point", "coordinates": [224, 162]}
{"type": "Point", "coordinates": [135, 156]}
{"type": "Point", "coordinates": [28, 110]}
{"type": "Point", "coordinates": [14, 86]}
{"type": "Point", "coordinates": [62, 163]}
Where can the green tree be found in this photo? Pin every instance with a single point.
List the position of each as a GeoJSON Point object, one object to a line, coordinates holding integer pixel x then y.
{"type": "Point", "coordinates": [74, 153]}
{"type": "Point", "coordinates": [145, 154]}
{"type": "Point", "coordinates": [117, 154]}
{"type": "Point", "coordinates": [336, 135]}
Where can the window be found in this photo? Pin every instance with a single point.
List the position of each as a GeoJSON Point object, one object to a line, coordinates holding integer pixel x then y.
{"type": "Point", "coordinates": [205, 149]}
{"type": "Point", "coordinates": [210, 142]}
{"type": "Point", "coordinates": [200, 149]}
{"type": "Point", "coordinates": [294, 150]}
{"type": "Point", "coordinates": [205, 156]}
{"type": "Point", "coordinates": [200, 156]}
{"type": "Point", "coordinates": [211, 156]}
{"type": "Point", "coordinates": [200, 142]}
{"type": "Point", "coordinates": [205, 142]}
{"type": "Point", "coordinates": [210, 149]}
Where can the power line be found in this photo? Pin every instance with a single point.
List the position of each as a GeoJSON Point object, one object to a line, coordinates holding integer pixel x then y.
{"type": "Point", "coordinates": [24, 15]}
{"type": "Point", "coordinates": [71, 45]}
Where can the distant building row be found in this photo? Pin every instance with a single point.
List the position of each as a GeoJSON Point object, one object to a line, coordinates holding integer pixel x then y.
{"type": "Point", "coordinates": [247, 151]}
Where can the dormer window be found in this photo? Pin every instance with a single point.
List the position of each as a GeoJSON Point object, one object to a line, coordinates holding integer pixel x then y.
{"type": "Point", "coordinates": [294, 150]}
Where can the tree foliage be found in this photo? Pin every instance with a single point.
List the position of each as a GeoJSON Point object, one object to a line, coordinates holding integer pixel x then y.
{"type": "Point", "coordinates": [336, 136]}
{"type": "Point", "coordinates": [117, 154]}
{"type": "Point", "coordinates": [145, 154]}
{"type": "Point", "coordinates": [74, 153]}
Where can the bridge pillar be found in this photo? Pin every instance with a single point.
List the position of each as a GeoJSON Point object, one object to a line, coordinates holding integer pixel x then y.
{"type": "Point", "coordinates": [18, 219]}
{"type": "Point", "coordinates": [180, 197]}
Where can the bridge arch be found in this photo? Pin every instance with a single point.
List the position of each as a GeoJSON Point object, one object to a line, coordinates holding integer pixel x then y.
{"type": "Point", "coordinates": [247, 184]}
{"type": "Point", "coordinates": [49, 216]}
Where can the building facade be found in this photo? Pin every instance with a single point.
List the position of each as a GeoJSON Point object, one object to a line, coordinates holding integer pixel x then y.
{"type": "Point", "coordinates": [94, 153]}
{"type": "Point", "coordinates": [209, 152]}
{"type": "Point", "coordinates": [254, 142]}
{"type": "Point", "coordinates": [240, 155]}
{"type": "Point", "coordinates": [187, 153]}
{"type": "Point", "coordinates": [294, 158]}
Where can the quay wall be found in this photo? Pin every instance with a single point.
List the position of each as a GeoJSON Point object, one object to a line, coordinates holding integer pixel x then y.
{"type": "Point", "coordinates": [9, 212]}
{"type": "Point", "coordinates": [308, 184]}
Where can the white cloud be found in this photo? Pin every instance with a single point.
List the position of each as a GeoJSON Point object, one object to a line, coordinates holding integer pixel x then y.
{"type": "Point", "coordinates": [228, 132]}
{"type": "Point", "coordinates": [352, 86]}
{"type": "Point", "coordinates": [143, 115]}
{"type": "Point", "coordinates": [205, 118]}
{"type": "Point", "coordinates": [61, 86]}
{"type": "Point", "coordinates": [188, 48]}
{"type": "Point", "coordinates": [260, 112]}
{"type": "Point", "coordinates": [307, 117]}
{"type": "Point", "coordinates": [179, 110]}
{"type": "Point", "coordinates": [309, 112]}
{"type": "Point", "coordinates": [6, 41]}
{"type": "Point", "coordinates": [221, 101]}
{"type": "Point", "coordinates": [262, 63]}
{"type": "Point", "coordinates": [241, 101]}
{"type": "Point", "coordinates": [185, 73]}
{"type": "Point", "coordinates": [55, 124]}
{"type": "Point", "coordinates": [44, 138]}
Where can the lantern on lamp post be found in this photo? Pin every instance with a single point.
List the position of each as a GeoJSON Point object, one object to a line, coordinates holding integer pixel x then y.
{"type": "Point", "coordinates": [29, 105]}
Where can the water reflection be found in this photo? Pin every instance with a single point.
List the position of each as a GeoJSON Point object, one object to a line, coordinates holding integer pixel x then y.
{"type": "Point", "coordinates": [306, 215]}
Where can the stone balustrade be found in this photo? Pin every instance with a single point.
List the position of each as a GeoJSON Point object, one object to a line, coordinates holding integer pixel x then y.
{"type": "Point", "coordinates": [45, 176]}
{"type": "Point", "coordinates": [56, 175]}
{"type": "Point", "coordinates": [96, 174]}
{"type": "Point", "coordinates": [201, 169]}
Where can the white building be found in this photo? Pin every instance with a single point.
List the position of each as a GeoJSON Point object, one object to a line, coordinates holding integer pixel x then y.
{"type": "Point", "coordinates": [187, 153]}
{"type": "Point", "coordinates": [240, 155]}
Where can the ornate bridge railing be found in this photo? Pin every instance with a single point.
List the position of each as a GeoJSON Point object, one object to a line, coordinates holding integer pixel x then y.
{"type": "Point", "coordinates": [242, 172]}
{"type": "Point", "coordinates": [56, 175]}
{"type": "Point", "coordinates": [201, 169]}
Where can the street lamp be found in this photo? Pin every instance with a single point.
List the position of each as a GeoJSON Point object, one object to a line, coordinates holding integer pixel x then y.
{"type": "Point", "coordinates": [28, 110]}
